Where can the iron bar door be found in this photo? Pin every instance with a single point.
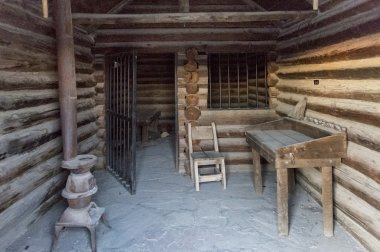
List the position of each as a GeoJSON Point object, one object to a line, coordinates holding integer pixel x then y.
{"type": "Point", "coordinates": [120, 76]}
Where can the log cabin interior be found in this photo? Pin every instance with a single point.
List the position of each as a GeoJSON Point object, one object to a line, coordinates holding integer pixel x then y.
{"type": "Point", "coordinates": [109, 87]}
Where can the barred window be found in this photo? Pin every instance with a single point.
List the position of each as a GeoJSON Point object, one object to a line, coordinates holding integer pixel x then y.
{"type": "Point", "coordinates": [237, 80]}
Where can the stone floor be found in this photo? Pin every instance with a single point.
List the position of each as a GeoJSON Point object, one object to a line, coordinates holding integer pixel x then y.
{"type": "Point", "coordinates": [167, 214]}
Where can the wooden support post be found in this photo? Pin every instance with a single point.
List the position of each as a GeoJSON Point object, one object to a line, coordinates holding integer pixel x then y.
{"type": "Point", "coordinates": [45, 8]}
{"type": "Point", "coordinates": [66, 76]}
{"type": "Point", "coordinates": [282, 201]}
{"type": "Point", "coordinates": [184, 6]}
{"type": "Point", "coordinates": [315, 4]}
{"type": "Point", "coordinates": [257, 167]}
{"type": "Point", "coordinates": [327, 201]}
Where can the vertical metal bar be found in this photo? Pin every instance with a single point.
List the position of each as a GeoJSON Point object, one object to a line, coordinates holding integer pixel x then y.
{"type": "Point", "coordinates": [106, 87]}
{"type": "Point", "coordinates": [265, 82]}
{"type": "Point", "coordinates": [209, 80]}
{"type": "Point", "coordinates": [220, 84]}
{"type": "Point", "coordinates": [246, 73]}
{"type": "Point", "coordinates": [113, 115]}
{"type": "Point", "coordinates": [257, 87]}
{"type": "Point", "coordinates": [129, 121]}
{"type": "Point", "coordinates": [125, 144]}
{"type": "Point", "coordinates": [133, 173]}
{"type": "Point", "coordinates": [117, 115]}
{"type": "Point", "coordinates": [238, 78]}
{"type": "Point", "coordinates": [111, 111]}
{"type": "Point", "coordinates": [228, 77]}
{"type": "Point", "coordinates": [120, 114]}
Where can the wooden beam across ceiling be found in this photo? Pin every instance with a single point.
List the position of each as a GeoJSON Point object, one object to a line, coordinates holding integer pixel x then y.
{"type": "Point", "coordinates": [188, 18]}
{"type": "Point", "coordinates": [254, 5]}
{"type": "Point", "coordinates": [186, 34]}
{"type": "Point", "coordinates": [175, 46]}
{"type": "Point", "coordinates": [116, 9]}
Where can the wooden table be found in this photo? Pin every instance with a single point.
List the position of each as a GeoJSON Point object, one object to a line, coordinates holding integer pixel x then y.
{"type": "Point", "coordinates": [146, 121]}
{"type": "Point", "coordinates": [290, 143]}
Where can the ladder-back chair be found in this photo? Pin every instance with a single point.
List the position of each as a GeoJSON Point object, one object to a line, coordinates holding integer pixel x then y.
{"type": "Point", "coordinates": [200, 157]}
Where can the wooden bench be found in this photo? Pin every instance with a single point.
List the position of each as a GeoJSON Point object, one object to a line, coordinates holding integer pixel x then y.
{"type": "Point", "coordinates": [290, 143]}
{"type": "Point", "coordinates": [148, 120]}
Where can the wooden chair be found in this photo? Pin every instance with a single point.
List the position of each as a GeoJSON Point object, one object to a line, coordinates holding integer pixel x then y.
{"type": "Point", "coordinates": [205, 158]}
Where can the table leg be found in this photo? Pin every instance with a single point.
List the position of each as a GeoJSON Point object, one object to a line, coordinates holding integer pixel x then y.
{"type": "Point", "coordinates": [291, 179]}
{"type": "Point", "coordinates": [257, 167]}
{"type": "Point", "coordinates": [282, 201]}
{"type": "Point", "coordinates": [327, 201]}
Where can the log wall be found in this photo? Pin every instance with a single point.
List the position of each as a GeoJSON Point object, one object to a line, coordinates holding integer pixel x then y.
{"type": "Point", "coordinates": [341, 49]}
{"type": "Point", "coordinates": [231, 124]}
{"type": "Point", "coordinates": [30, 144]}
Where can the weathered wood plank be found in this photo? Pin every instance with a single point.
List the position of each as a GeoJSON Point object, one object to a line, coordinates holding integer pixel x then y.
{"type": "Point", "coordinates": [10, 100]}
{"type": "Point", "coordinates": [38, 80]}
{"type": "Point", "coordinates": [332, 88]}
{"type": "Point", "coordinates": [175, 46]}
{"type": "Point", "coordinates": [17, 164]}
{"type": "Point", "coordinates": [169, 18]}
{"type": "Point", "coordinates": [186, 34]}
{"type": "Point", "coordinates": [33, 201]}
{"type": "Point", "coordinates": [356, 110]}
{"type": "Point", "coordinates": [355, 48]}
{"type": "Point", "coordinates": [31, 137]}
{"type": "Point", "coordinates": [325, 34]}
{"type": "Point", "coordinates": [12, 120]}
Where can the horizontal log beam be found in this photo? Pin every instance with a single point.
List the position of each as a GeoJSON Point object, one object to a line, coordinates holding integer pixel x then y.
{"type": "Point", "coordinates": [195, 17]}
{"type": "Point", "coordinates": [13, 120]}
{"type": "Point", "coordinates": [345, 28]}
{"type": "Point", "coordinates": [165, 8]}
{"type": "Point", "coordinates": [186, 34]}
{"type": "Point", "coordinates": [209, 46]}
{"type": "Point", "coordinates": [15, 165]}
{"type": "Point", "coordinates": [10, 100]}
{"type": "Point", "coordinates": [332, 88]}
{"type": "Point", "coordinates": [357, 48]}
{"type": "Point", "coordinates": [38, 80]}
{"type": "Point", "coordinates": [302, 26]}
{"type": "Point", "coordinates": [361, 111]}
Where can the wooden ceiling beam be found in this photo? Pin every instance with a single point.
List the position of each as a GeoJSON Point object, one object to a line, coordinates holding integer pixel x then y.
{"type": "Point", "coordinates": [188, 18]}
{"type": "Point", "coordinates": [116, 9]}
{"type": "Point", "coordinates": [254, 5]}
{"type": "Point", "coordinates": [175, 46]}
{"type": "Point", "coordinates": [189, 34]}
{"type": "Point", "coordinates": [144, 8]}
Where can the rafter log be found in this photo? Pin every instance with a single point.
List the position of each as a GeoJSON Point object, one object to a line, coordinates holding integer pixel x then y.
{"type": "Point", "coordinates": [167, 8]}
{"type": "Point", "coordinates": [116, 9]}
{"type": "Point", "coordinates": [196, 17]}
{"type": "Point", "coordinates": [173, 46]}
{"type": "Point", "coordinates": [254, 5]}
{"type": "Point", "coordinates": [190, 34]}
